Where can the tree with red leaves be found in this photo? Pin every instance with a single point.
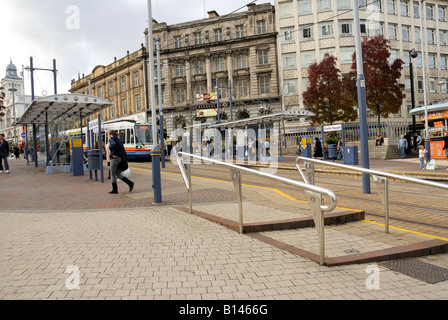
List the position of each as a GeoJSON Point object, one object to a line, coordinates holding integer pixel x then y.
{"type": "Point", "coordinates": [326, 96]}
{"type": "Point", "coordinates": [384, 93]}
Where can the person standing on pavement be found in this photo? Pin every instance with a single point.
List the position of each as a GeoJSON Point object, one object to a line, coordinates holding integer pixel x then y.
{"type": "Point", "coordinates": [445, 144]}
{"type": "Point", "coordinates": [402, 146]}
{"type": "Point", "coordinates": [422, 155]}
{"type": "Point", "coordinates": [4, 153]}
{"type": "Point", "coordinates": [117, 154]}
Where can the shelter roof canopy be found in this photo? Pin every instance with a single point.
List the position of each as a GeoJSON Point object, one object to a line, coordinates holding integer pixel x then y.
{"type": "Point", "coordinates": [62, 105]}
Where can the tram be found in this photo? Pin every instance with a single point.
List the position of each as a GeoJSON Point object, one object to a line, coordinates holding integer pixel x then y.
{"type": "Point", "coordinates": [136, 138]}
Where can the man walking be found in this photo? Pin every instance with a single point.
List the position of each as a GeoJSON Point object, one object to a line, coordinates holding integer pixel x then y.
{"type": "Point", "coordinates": [402, 146]}
{"type": "Point", "coordinates": [4, 152]}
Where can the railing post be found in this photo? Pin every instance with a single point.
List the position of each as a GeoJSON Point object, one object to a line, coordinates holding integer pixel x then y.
{"type": "Point", "coordinates": [236, 179]}
{"type": "Point", "coordinates": [190, 193]}
{"type": "Point", "coordinates": [314, 201]}
{"type": "Point", "coordinates": [382, 185]}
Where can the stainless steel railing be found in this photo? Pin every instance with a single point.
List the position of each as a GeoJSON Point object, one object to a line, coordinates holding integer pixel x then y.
{"type": "Point", "coordinates": [379, 177]}
{"type": "Point", "coordinates": [314, 193]}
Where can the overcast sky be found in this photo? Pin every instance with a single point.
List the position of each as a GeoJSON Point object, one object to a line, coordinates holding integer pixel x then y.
{"type": "Point", "coordinates": [81, 34]}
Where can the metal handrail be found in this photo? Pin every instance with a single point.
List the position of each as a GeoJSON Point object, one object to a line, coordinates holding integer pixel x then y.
{"type": "Point", "coordinates": [379, 177]}
{"type": "Point", "coordinates": [314, 193]}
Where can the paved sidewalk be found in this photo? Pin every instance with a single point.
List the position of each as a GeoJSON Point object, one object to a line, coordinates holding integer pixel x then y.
{"type": "Point", "coordinates": [125, 247]}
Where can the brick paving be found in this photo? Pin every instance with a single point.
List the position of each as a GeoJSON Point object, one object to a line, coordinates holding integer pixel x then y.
{"type": "Point", "coordinates": [125, 247]}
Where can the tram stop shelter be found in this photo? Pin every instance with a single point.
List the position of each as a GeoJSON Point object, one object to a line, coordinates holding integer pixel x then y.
{"type": "Point", "coordinates": [262, 132]}
{"type": "Point", "coordinates": [52, 118]}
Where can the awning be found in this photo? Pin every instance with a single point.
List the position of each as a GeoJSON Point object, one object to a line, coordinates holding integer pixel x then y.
{"type": "Point", "coordinates": [62, 105]}
{"type": "Point", "coordinates": [432, 108]}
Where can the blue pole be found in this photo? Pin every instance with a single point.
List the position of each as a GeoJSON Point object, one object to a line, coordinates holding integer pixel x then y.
{"type": "Point", "coordinates": [230, 89]}
{"type": "Point", "coordinates": [217, 100]}
{"type": "Point", "coordinates": [34, 125]}
{"type": "Point", "coordinates": [159, 87]}
{"type": "Point", "coordinates": [100, 144]}
{"type": "Point", "coordinates": [362, 104]}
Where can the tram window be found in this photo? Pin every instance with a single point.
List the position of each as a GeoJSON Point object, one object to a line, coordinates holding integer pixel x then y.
{"type": "Point", "coordinates": [128, 136]}
{"type": "Point", "coordinates": [132, 136]}
{"type": "Point", "coordinates": [122, 135]}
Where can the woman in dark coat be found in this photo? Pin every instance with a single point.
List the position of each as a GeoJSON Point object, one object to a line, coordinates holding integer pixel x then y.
{"type": "Point", "coordinates": [317, 148]}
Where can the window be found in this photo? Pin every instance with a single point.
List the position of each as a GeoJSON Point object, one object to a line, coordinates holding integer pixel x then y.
{"type": "Point", "coordinates": [157, 96]}
{"type": "Point", "coordinates": [377, 28]}
{"type": "Point", "coordinates": [442, 13]}
{"type": "Point", "coordinates": [112, 112]}
{"type": "Point", "coordinates": [124, 106]}
{"type": "Point", "coordinates": [138, 102]}
{"type": "Point", "coordinates": [178, 69]}
{"type": "Point", "coordinates": [323, 52]}
{"type": "Point", "coordinates": [346, 54]}
{"type": "Point", "coordinates": [290, 87]}
{"type": "Point", "coordinates": [416, 9]}
{"type": "Point", "coordinates": [406, 33]}
{"type": "Point", "coordinates": [404, 8]}
{"type": "Point", "coordinates": [289, 61]}
{"type": "Point", "coordinates": [417, 34]}
{"type": "Point", "coordinates": [218, 34]}
{"type": "Point", "coordinates": [307, 58]}
{"type": "Point", "coordinates": [393, 55]}
{"type": "Point", "coordinates": [443, 61]}
{"type": "Point", "coordinates": [305, 84]}
{"type": "Point", "coordinates": [391, 6]}
{"type": "Point", "coordinates": [420, 84]}
{"type": "Point", "coordinates": [406, 58]}
{"type": "Point", "coordinates": [364, 28]}
{"type": "Point", "coordinates": [200, 88]}
{"type": "Point", "coordinates": [287, 35]}
{"type": "Point", "coordinates": [304, 7]}
{"type": "Point", "coordinates": [419, 60]}
{"type": "Point", "coordinates": [444, 86]}
{"type": "Point", "coordinates": [136, 79]}
{"type": "Point", "coordinates": [262, 56]}
{"type": "Point", "coordinates": [198, 67]}
{"type": "Point", "coordinates": [220, 64]}
{"type": "Point", "coordinates": [263, 84]}
{"type": "Point", "coordinates": [429, 12]}
{"type": "Point", "coordinates": [180, 95]}
{"type": "Point", "coordinates": [392, 31]}
{"type": "Point", "coordinates": [433, 85]}
{"type": "Point", "coordinates": [442, 37]}
{"type": "Point", "coordinates": [197, 38]}
{"type": "Point", "coordinates": [285, 9]}
{"type": "Point", "coordinates": [177, 42]}
{"type": "Point", "coordinates": [111, 88]}
{"type": "Point", "coordinates": [326, 30]}
{"type": "Point", "coordinates": [306, 33]}
{"type": "Point", "coordinates": [123, 84]}
{"type": "Point", "coordinates": [241, 61]}
{"type": "Point", "coordinates": [345, 28]}
{"type": "Point", "coordinates": [100, 92]}
{"type": "Point", "coordinates": [323, 5]}
{"type": "Point", "coordinates": [239, 31]}
{"type": "Point", "coordinates": [223, 93]}
{"type": "Point", "coordinates": [243, 88]}
{"type": "Point", "coordinates": [432, 60]}
{"type": "Point", "coordinates": [344, 4]}
{"type": "Point", "coordinates": [431, 36]}
{"type": "Point", "coordinates": [261, 26]}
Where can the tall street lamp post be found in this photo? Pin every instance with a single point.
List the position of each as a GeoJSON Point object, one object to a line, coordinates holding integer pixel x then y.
{"type": "Point", "coordinates": [413, 54]}
{"type": "Point", "coordinates": [13, 90]}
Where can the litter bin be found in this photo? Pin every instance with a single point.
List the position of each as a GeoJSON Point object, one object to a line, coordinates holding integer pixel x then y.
{"type": "Point", "coordinates": [93, 159]}
{"type": "Point", "coordinates": [350, 155]}
{"type": "Point", "coordinates": [332, 151]}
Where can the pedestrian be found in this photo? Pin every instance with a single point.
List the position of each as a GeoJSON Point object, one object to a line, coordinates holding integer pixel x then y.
{"type": "Point", "coordinates": [422, 156]}
{"type": "Point", "coordinates": [117, 155]}
{"type": "Point", "coordinates": [445, 144]}
{"type": "Point", "coordinates": [402, 146]}
{"type": "Point", "coordinates": [407, 136]}
{"type": "Point", "coordinates": [418, 140]}
{"type": "Point", "coordinates": [17, 152]}
{"type": "Point", "coordinates": [379, 139]}
{"type": "Point", "coordinates": [4, 153]}
{"type": "Point", "coordinates": [317, 148]}
{"type": "Point", "coordinates": [169, 145]}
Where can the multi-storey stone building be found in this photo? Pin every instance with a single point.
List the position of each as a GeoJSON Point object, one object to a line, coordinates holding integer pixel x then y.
{"type": "Point", "coordinates": [310, 28]}
{"type": "Point", "coordinates": [121, 82]}
{"type": "Point", "coordinates": [237, 51]}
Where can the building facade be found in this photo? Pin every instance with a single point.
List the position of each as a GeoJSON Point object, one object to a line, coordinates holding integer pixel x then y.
{"type": "Point", "coordinates": [236, 53]}
{"type": "Point", "coordinates": [308, 29]}
{"type": "Point", "coordinates": [121, 82]}
{"type": "Point", "coordinates": [15, 103]}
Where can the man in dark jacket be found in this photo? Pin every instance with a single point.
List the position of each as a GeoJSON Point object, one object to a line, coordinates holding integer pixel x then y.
{"type": "Point", "coordinates": [4, 152]}
{"type": "Point", "coordinates": [445, 144]}
{"type": "Point", "coordinates": [117, 155]}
